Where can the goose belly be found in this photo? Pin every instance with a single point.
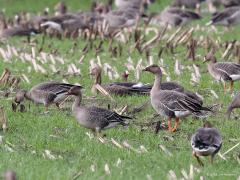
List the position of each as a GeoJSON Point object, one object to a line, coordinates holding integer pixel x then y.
{"type": "Point", "coordinates": [235, 77]}
{"type": "Point", "coordinates": [181, 114]}
{"type": "Point", "coordinates": [160, 109]}
{"type": "Point", "coordinates": [204, 151]}
{"type": "Point", "coordinates": [111, 125]}
{"type": "Point", "coordinates": [83, 118]}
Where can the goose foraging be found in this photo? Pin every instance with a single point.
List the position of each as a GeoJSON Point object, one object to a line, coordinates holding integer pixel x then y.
{"type": "Point", "coordinates": [225, 71]}
{"type": "Point", "coordinates": [173, 104]}
{"type": "Point", "coordinates": [206, 141]}
{"type": "Point", "coordinates": [46, 93]}
{"type": "Point", "coordinates": [94, 118]}
{"type": "Point", "coordinates": [234, 104]}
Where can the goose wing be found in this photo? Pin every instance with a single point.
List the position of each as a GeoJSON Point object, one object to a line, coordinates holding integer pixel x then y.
{"type": "Point", "coordinates": [105, 117]}
{"type": "Point", "coordinates": [228, 68]}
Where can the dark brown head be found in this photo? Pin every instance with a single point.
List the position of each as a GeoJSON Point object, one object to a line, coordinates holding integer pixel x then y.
{"type": "Point", "coordinates": [210, 57]}
{"type": "Point", "coordinates": [75, 90]}
{"type": "Point", "coordinates": [207, 125]}
{"type": "Point", "coordinates": [96, 71]}
{"type": "Point", "coordinates": [20, 96]}
{"type": "Point", "coordinates": [155, 69]}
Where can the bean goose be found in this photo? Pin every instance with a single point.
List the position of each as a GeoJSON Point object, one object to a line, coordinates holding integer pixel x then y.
{"type": "Point", "coordinates": [173, 104]}
{"type": "Point", "coordinates": [206, 141]}
{"type": "Point", "coordinates": [174, 16]}
{"type": "Point", "coordinates": [46, 93]}
{"type": "Point", "coordinates": [94, 118]}
{"type": "Point", "coordinates": [18, 31]}
{"type": "Point", "coordinates": [234, 104]}
{"type": "Point", "coordinates": [225, 71]}
{"type": "Point", "coordinates": [118, 88]}
{"type": "Point", "coordinates": [229, 16]}
{"type": "Point", "coordinates": [191, 4]}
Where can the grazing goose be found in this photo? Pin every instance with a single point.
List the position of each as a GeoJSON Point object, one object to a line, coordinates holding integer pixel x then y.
{"type": "Point", "coordinates": [94, 118]}
{"type": "Point", "coordinates": [230, 3]}
{"type": "Point", "coordinates": [173, 104]}
{"type": "Point", "coordinates": [18, 31]}
{"type": "Point", "coordinates": [206, 141]}
{"type": "Point", "coordinates": [225, 71]}
{"type": "Point", "coordinates": [118, 88]}
{"type": "Point", "coordinates": [234, 104]}
{"type": "Point", "coordinates": [174, 16]}
{"type": "Point", "coordinates": [136, 4]}
{"type": "Point", "coordinates": [46, 93]}
{"type": "Point", "coordinates": [229, 16]}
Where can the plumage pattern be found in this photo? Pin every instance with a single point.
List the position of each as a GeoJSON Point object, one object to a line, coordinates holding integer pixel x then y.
{"type": "Point", "coordinates": [206, 141]}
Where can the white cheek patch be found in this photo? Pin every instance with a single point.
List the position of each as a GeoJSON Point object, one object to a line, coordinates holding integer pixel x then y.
{"type": "Point", "coordinates": [235, 77]}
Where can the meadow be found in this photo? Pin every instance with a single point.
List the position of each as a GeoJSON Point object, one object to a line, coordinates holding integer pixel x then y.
{"type": "Point", "coordinates": [54, 146]}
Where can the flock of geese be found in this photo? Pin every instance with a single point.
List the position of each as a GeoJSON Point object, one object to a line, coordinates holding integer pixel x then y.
{"type": "Point", "coordinates": [168, 99]}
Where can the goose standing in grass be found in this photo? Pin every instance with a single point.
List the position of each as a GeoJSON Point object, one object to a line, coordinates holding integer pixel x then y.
{"type": "Point", "coordinates": [94, 118]}
{"type": "Point", "coordinates": [173, 104]}
{"type": "Point", "coordinates": [206, 141]}
{"type": "Point", "coordinates": [118, 88]}
{"type": "Point", "coordinates": [229, 16]}
{"type": "Point", "coordinates": [225, 71]}
{"type": "Point", "coordinates": [46, 93]}
{"type": "Point", "coordinates": [233, 105]}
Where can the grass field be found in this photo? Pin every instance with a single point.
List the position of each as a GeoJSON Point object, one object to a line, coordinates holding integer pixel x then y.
{"type": "Point", "coordinates": [75, 155]}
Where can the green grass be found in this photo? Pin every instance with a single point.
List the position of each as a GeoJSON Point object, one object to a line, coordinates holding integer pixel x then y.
{"type": "Point", "coordinates": [31, 133]}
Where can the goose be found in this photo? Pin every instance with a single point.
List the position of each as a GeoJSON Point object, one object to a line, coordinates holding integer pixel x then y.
{"type": "Point", "coordinates": [136, 4]}
{"type": "Point", "coordinates": [19, 30]}
{"type": "Point", "coordinates": [94, 118]}
{"type": "Point", "coordinates": [117, 88]}
{"type": "Point", "coordinates": [174, 16]}
{"type": "Point", "coordinates": [206, 141]}
{"type": "Point", "coordinates": [233, 105]}
{"type": "Point", "coordinates": [190, 4]}
{"type": "Point", "coordinates": [46, 93]}
{"type": "Point", "coordinates": [230, 3]}
{"type": "Point", "coordinates": [60, 8]}
{"type": "Point", "coordinates": [229, 16]}
{"type": "Point", "coordinates": [225, 71]}
{"type": "Point", "coordinates": [173, 104]}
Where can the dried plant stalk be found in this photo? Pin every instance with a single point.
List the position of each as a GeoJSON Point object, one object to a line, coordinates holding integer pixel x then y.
{"type": "Point", "coordinates": [3, 120]}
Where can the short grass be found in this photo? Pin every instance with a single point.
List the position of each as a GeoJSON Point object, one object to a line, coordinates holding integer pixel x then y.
{"type": "Point", "coordinates": [31, 133]}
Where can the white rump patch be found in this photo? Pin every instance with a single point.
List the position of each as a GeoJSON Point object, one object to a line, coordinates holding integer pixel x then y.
{"type": "Point", "coordinates": [181, 113]}
{"type": "Point", "coordinates": [235, 77]}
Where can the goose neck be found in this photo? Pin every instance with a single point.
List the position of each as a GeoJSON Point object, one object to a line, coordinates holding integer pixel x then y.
{"type": "Point", "coordinates": [157, 82]}
{"type": "Point", "coordinates": [77, 102]}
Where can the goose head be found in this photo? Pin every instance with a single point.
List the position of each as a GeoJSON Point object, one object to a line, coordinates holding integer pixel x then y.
{"type": "Point", "coordinates": [96, 73]}
{"type": "Point", "coordinates": [207, 125]}
{"type": "Point", "coordinates": [75, 90]}
{"type": "Point", "coordinates": [210, 57]}
{"type": "Point", "coordinates": [155, 69]}
{"type": "Point", "coordinates": [20, 96]}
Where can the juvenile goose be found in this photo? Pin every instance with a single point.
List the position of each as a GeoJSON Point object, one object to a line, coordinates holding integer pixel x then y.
{"type": "Point", "coordinates": [46, 93]}
{"type": "Point", "coordinates": [173, 104]}
{"type": "Point", "coordinates": [118, 88]}
{"type": "Point", "coordinates": [233, 105]}
{"type": "Point", "coordinates": [225, 71]}
{"type": "Point", "coordinates": [94, 118]}
{"type": "Point", "coordinates": [229, 16]}
{"type": "Point", "coordinates": [206, 141]}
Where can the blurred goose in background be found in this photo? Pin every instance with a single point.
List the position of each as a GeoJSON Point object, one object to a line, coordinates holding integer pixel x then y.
{"type": "Point", "coordinates": [174, 16]}
{"type": "Point", "coordinates": [60, 8]}
{"type": "Point", "coordinates": [19, 30]}
{"type": "Point", "coordinates": [117, 88]}
{"type": "Point", "coordinates": [230, 3]}
{"type": "Point", "coordinates": [233, 105]}
{"type": "Point", "coordinates": [173, 104]}
{"type": "Point", "coordinates": [227, 17]}
{"type": "Point", "coordinates": [94, 118]}
{"type": "Point", "coordinates": [46, 93]}
{"type": "Point", "coordinates": [190, 4]}
{"type": "Point", "coordinates": [222, 71]}
{"type": "Point", "coordinates": [140, 5]}
{"type": "Point", "coordinates": [206, 141]}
